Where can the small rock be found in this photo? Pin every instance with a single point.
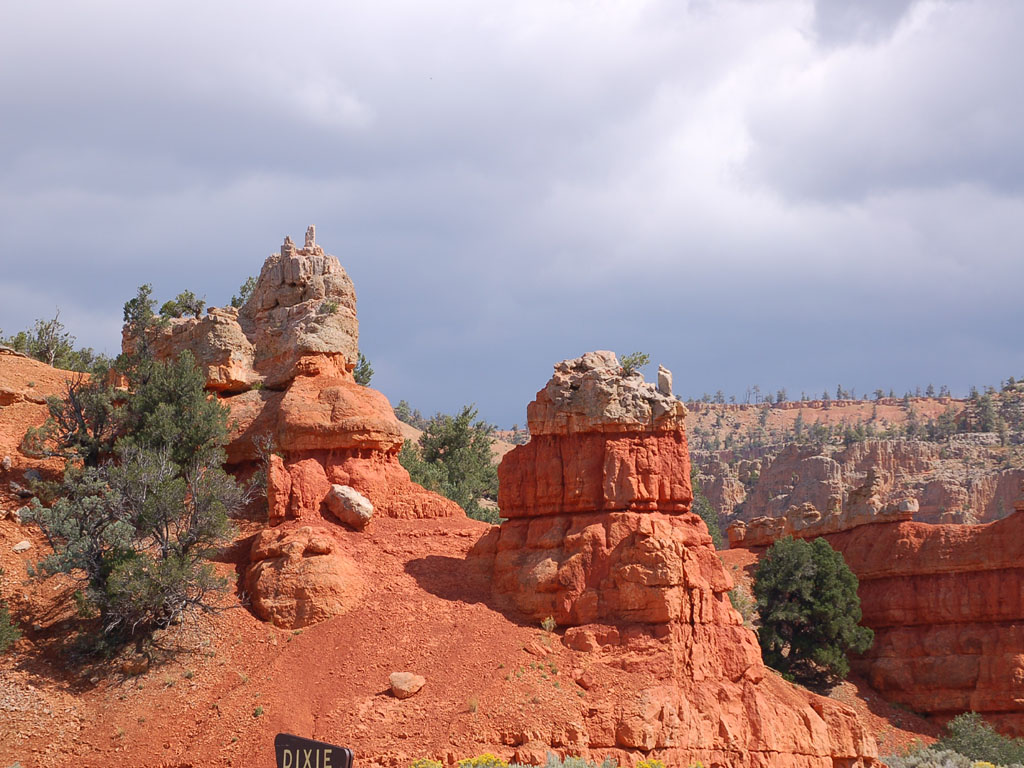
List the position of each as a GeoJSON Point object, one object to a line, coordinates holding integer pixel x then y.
{"type": "Point", "coordinates": [19, 490]}
{"type": "Point", "coordinates": [585, 679]}
{"type": "Point", "coordinates": [32, 475]}
{"type": "Point", "coordinates": [349, 506]}
{"type": "Point", "coordinates": [135, 666]}
{"type": "Point", "coordinates": [5, 464]}
{"type": "Point", "coordinates": [405, 684]}
{"type": "Point", "coordinates": [664, 380]}
{"type": "Point", "coordinates": [909, 505]}
{"type": "Point", "coordinates": [537, 649]}
{"type": "Point", "coordinates": [14, 515]}
{"type": "Point", "coordinates": [23, 546]}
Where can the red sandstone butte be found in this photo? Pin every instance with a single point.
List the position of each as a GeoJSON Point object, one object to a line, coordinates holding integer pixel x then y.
{"type": "Point", "coordinates": [601, 539]}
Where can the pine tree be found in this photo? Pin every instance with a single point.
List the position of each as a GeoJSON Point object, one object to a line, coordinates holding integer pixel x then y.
{"type": "Point", "coordinates": [363, 371]}
{"type": "Point", "coordinates": [809, 610]}
{"type": "Point", "coordinates": [454, 458]}
{"type": "Point", "coordinates": [144, 504]}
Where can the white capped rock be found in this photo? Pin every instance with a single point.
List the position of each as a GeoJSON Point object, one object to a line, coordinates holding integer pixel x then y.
{"type": "Point", "coordinates": [664, 380]}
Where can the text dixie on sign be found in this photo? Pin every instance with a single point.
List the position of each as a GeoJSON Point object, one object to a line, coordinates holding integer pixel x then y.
{"type": "Point", "coordinates": [297, 752]}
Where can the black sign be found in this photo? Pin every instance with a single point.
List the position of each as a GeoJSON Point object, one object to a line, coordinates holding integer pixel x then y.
{"type": "Point", "coordinates": [296, 752]}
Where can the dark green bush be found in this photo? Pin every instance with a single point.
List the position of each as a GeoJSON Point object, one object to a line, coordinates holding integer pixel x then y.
{"type": "Point", "coordinates": [809, 611]}
{"type": "Point", "coordinates": [453, 458]}
{"type": "Point", "coordinates": [9, 632]}
{"type": "Point", "coordinates": [144, 500]}
{"type": "Point", "coordinates": [363, 371]}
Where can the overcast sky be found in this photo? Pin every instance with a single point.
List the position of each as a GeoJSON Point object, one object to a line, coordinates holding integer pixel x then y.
{"type": "Point", "coordinates": [790, 194]}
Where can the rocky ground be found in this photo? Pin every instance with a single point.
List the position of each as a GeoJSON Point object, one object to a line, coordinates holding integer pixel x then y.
{"type": "Point", "coordinates": [493, 682]}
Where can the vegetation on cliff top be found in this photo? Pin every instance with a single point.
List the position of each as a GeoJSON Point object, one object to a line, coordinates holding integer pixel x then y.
{"type": "Point", "coordinates": [50, 342]}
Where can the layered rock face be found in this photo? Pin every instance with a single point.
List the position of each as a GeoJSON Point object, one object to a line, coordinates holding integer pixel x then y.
{"type": "Point", "coordinates": [601, 539]}
{"type": "Point", "coordinates": [283, 364]}
{"type": "Point", "coordinates": [862, 506]}
{"type": "Point", "coordinates": [303, 304]}
{"type": "Point", "coordinates": [960, 481]}
{"type": "Point", "coordinates": [947, 606]}
{"type": "Point", "coordinates": [328, 430]}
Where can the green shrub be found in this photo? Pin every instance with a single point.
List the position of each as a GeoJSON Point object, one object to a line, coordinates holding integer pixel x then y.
{"type": "Point", "coordinates": [743, 602]}
{"type": "Point", "coordinates": [9, 632]}
{"type": "Point", "coordinates": [363, 371]}
{"type": "Point", "coordinates": [574, 762]}
{"type": "Point", "coordinates": [48, 341]}
{"type": "Point", "coordinates": [244, 292]}
{"type": "Point", "coordinates": [454, 459]}
{"type": "Point", "coordinates": [933, 757]}
{"type": "Point", "coordinates": [143, 504]}
{"type": "Point", "coordinates": [702, 506]}
{"type": "Point", "coordinates": [633, 362]}
{"type": "Point", "coordinates": [809, 611]}
{"type": "Point", "coordinates": [185, 303]}
{"type": "Point", "coordinates": [426, 762]}
{"type": "Point", "coordinates": [970, 735]}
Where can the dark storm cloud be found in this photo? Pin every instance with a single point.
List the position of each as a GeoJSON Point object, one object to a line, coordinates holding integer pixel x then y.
{"type": "Point", "coordinates": [775, 193]}
{"type": "Point", "coordinates": [940, 103]}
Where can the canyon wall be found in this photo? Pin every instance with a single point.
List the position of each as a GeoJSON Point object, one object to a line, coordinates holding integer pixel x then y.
{"type": "Point", "coordinates": [946, 603]}
{"type": "Point", "coordinates": [834, 488]}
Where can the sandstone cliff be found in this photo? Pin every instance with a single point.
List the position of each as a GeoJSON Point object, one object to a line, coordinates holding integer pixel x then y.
{"type": "Point", "coordinates": [944, 601]}
{"type": "Point", "coordinates": [947, 607]}
{"type": "Point", "coordinates": [830, 488]}
{"type": "Point", "coordinates": [601, 539]}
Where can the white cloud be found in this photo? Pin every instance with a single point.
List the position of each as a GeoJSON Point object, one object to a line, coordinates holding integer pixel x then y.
{"type": "Point", "coordinates": [715, 179]}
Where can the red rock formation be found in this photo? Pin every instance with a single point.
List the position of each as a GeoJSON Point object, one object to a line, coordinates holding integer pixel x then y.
{"type": "Point", "coordinates": [947, 606]}
{"type": "Point", "coordinates": [24, 386]}
{"type": "Point", "coordinates": [600, 538]}
{"type": "Point", "coordinates": [303, 304]}
{"type": "Point", "coordinates": [330, 430]}
{"type": "Point", "coordinates": [283, 364]}
{"type": "Point", "coordinates": [298, 578]}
